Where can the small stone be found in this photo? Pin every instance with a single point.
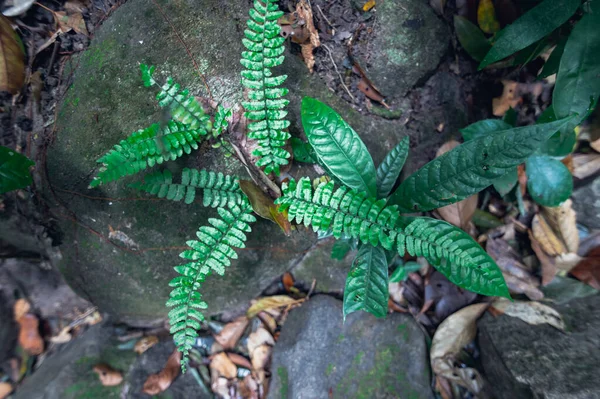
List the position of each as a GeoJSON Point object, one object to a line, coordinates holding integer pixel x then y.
{"type": "Point", "coordinates": [586, 202]}
{"type": "Point", "coordinates": [318, 355]}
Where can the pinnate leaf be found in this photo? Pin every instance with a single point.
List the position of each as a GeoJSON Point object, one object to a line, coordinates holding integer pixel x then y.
{"type": "Point", "coordinates": [338, 146]}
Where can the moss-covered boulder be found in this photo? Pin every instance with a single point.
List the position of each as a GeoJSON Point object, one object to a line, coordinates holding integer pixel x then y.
{"type": "Point", "coordinates": [119, 247]}
{"type": "Point", "coordinates": [319, 355]}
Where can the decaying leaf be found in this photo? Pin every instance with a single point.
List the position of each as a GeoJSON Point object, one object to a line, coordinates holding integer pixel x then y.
{"type": "Point", "coordinates": [460, 213]}
{"type": "Point", "coordinates": [510, 98]}
{"type": "Point", "coordinates": [260, 345]}
{"type": "Point", "coordinates": [21, 308]}
{"type": "Point", "coordinates": [12, 58]}
{"type": "Point", "coordinates": [109, 377]}
{"type": "Point", "coordinates": [62, 337]}
{"type": "Point", "coordinates": [145, 343]}
{"type": "Point", "coordinates": [232, 332]}
{"type": "Point", "coordinates": [222, 366]}
{"type": "Point", "coordinates": [547, 238]}
{"type": "Point", "coordinates": [486, 17]}
{"type": "Point", "coordinates": [270, 302]}
{"type": "Point", "coordinates": [249, 388]}
{"type": "Point", "coordinates": [519, 286]}
{"type": "Point", "coordinates": [452, 335]}
{"type": "Point", "coordinates": [366, 86]}
{"type": "Point", "coordinates": [73, 21]}
{"type": "Point", "coordinates": [588, 269]}
{"type": "Point", "coordinates": [530, 312]}
{"type": "Point", "coordinates": [585, 165]}
{"type": "Point", "coordinates": [157, 383]}
{"type": "Point", "coordinates": [29, 334]}
{"type": "Point", "coordinates": [5, 389]}
{"type": "Point", "coordinates": [264, 206]}
{"type": "Point", "coordinates": [547, 262]}
{"type": "Point", "coordinates": [563, 220]}
{"type": "Point", "coordinates": [305, 13]}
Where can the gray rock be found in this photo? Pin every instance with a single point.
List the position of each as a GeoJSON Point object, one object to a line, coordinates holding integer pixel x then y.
{"type": "Point", "coordinates": [586, 202]}
{"type": "Point", "coordinates": [409, 43]}
{"type": "Point", "coordinates": [128, 277]}
{"type": "Point", "coordinates": [320, 356]}
{"type": "Point", "coordinates": [69, 373]}
{"type": "Point", "coordinates": [8, 327]}
{"type": "Point", "coordinates": [525, 361]}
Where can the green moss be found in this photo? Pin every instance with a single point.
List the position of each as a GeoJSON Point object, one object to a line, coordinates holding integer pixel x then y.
{"type": "Point", "coordinates": [283, 378]}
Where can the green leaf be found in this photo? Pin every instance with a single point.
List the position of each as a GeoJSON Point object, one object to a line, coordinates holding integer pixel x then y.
{"type": "Point", "coordinates": [578, 80]}
{"type": "Point", "coordinates": [389, 170]}
{"type": "Point", "coordinates": [551, 65]}
{"type": "Point", "coordinates": [338, 146]}
{"type": "Point", "coordinates": [471, 38]}
{"type": "Point", "coordinates": [507, 182]}
{"type": "Point", "coordinates": [559, 144]}
{"type": "Point", "coordinates": [549, 182]}
{"type": "Point", "coordinates": [14, 170]}
{"type": "Point", "coordinates": [530, 52]}
{"type": "Point", "coordinates": [341, 248]}
{"type": "Point", "coordinates": [529, 28]}
{"type": "Point", "coordinates": [303, 151]}
{"type": "Point", "coordinates": [510, 117]}
{"type": "Point", "coordinates": [402, 271]}
{"type": "Point", "coordinates": [470, 167]}
{"type": "Point", "coordinates": [367, 283]}
{"type": "Point", "coordinates": [483, 128]}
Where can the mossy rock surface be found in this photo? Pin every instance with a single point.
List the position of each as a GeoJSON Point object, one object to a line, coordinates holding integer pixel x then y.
{"type": "Point", "coordinates": [318, 355]}
{"type": "Point", "coordinates": [127, 275]}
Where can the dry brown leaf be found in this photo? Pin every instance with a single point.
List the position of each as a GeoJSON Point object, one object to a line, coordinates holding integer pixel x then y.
{"type": "Point", "coordinates": [222, 366]}
{"type": "Point", "coordinates": [145, 343]}
{"type": "Point", "coordinates": [585, 165]}
{"type": "Point", "coordinates": [544, 234]}
{"type": "Point", "coordinates": [259, 337]}
{"type": "Point", "coordinates": [588, 269]}
{"type": "Point", "coordinates": [232, 332]}
{"type": "Point", "coordinates": [109, 377]}
{"type": "Point", "coordinates": [519, 286]}
{"type": "Point", "coordinates": [12, 58]}
{"type": "Point", "coordinates": [74, 21]}
{"type": "Point", "coordinates": [563, 220]}
{"type": "Point", "coordinates": [270, 302]}
{"type": "Point", "coordinates": [21, 308]}
{"type": "Point", "coordinates": [288, 281]}
{"type": "Point", "coordinates": [460, 213]}
{"type": "Point", "coordinates": [264, 206]}
{"type": "Point", "coordinates": [548, 265]}
{"type": "Point", "coordinates": [29, 335]}
{"type": "Point", "coordinates": [567, 261]}
{"type": "Point", "coordinates": [510, 98]}
{"type": "Point", "coordinates": [249, 388]}
{"type": "Point", "coordinates": [260, 358]}
{"type": "Point", "coordinates": [595, 145]}
{"type": "Point", "coordinates": [533, 313]}
{"type": "Point", "coordinates": [157, 383]}
{"type": "Point", "coordinates": [63, 336]}
{"type": "Point", "coordinates": [458, 330]}
{"type": "Point", "coordinates": [239, 360]}
{"type": "Point", "coordinates": [5, 389]}
{"type": "Point", "coordinates": [305, 12]}
{"type": "Point", "coordinates": [507, 259]}
{"type": "Point", "coordinates": [76, 6]}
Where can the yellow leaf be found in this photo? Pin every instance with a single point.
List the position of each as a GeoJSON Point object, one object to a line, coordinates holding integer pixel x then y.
{"type": "Point", "coordinates": [270, 302]}
{"type": "Point", "coordinates": [486, 17]}
{"type": "Point", "coordinates": [12, 58]}
{"type": "Point", "coordinates": [368, 5]}
{"type": "Point", "coordinates": [563, 221]}
{"type": "Point", "coordinates": [547, 238]}
{"type": "Point", "coordinates": [5, 389]}
{"type": "Point", "coordinates": [264, 206]}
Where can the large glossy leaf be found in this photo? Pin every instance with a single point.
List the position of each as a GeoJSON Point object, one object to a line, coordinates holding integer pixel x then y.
{"type": "Point", "coordinates": [504, 184]}
{"type": "Point", "coordinates": [367, 283]}
{"type": "Point", "coordinates": [14, 170]}
{"type": "Point", "coordinates": [549, 182]}
{"type": "Point", "coordinates": [560, 144]}
{"type": "Point", "coordinates": [578, 78]}
{"type": "Point", "coordinates": [471, 38]}
{"type": "Point", "coordinates": [470, 167]}
{"type": "Point", "coordinates": [483, 128]}
{"type": "Point", "coordinates": [390, 168]}
{"type": "Point", "coordinates": [529, 28]}
{"type": "Point", "coordinates": [338, 146]}
{"type": "Point", "coordinates": [551, 65]}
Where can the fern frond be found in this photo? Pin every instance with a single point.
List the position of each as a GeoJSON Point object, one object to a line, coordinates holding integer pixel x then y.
{"type": "Point", "coordinates": [146, 148]}
{"type": "Point", "coordinates": [449, 249]}
{"type": "Point", "coordinates": [266, 107]}
{"type": "Point", "coordinates": [218, 190]}
{"type": "Point", "coordinates": [221, 122]}
{"type": "Point", "coordinates": [210, 253]}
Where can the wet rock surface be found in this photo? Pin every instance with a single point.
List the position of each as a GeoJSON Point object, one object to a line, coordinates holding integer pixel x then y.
{"type": "Point", "coordinates": [526, 361]}
{"type": "Point", "coordinates": [320, 356]}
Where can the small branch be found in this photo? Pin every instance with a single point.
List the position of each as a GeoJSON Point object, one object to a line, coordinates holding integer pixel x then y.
{"type": "Point", "coordinates": [338, 72]}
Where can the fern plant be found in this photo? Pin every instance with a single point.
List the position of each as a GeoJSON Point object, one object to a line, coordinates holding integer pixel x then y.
{"type": "Point", "coordinates": [265, 107]}
{"type": "Point", "coordinates": [358, 204]}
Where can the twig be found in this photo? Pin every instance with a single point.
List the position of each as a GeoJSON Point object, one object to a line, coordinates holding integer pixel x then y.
{"type": "Point", "coordinates": [323, 15]}
{"type": "Point", "coordinates": [338, 72]}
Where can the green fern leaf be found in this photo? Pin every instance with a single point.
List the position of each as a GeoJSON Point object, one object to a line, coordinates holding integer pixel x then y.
{"type": "Point", "coordinates": [210, 253]}
{"type": "Point", "coordinates": [367, 282]}
{"type": "Point", "coordinates": [146, 148]}
{"type": "Point", "coordinates": [390, 168]}
{"type": "Point", "coordinates": [147, 72]}
{"type": "Point", "coordinates": [218, 190]}
{"type": "Point", "coordinates": [471, 167]}
{"type": "Point", "coordinates": [265, 108]}
{"type": "Point", "coordinates": [221, 117]}
{"type": "Point", "coordinates": [338, 146]}
{"type": "Point", "coordinates": [184, 107]}
{"type": "Point", "coordinates": [349, 212]}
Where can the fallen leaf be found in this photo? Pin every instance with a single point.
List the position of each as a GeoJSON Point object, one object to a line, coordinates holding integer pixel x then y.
{"type": "Point", "coordinates": [585, 165]}
{"type": "Point", "coordinates": [548, 265]}
{"type": "Point", "coordinates": [239, 360]}
{"type": "Point", "coordinates": [260, 358]}
{"type": "Point", "coordinates": [29, 334]}
{"type": "Point", "coordinates": [5, 389]}
{"type": "Point", "coordinates": [12, 58]}
{"type": "Point", "coordinates": [21, 308]}
{"type": "Point", "coordinates": [510, 98]}
{"type": "Point", "coordinates": [588, 269]}
{"type": "Point", "coordinates": [270, 302]}
{"type": "Point", "coordinates": [595, 145]}
{"type": "Point", "coordinates": [366, 86]}
{"type": "Point", "coordinates": [458, 330]}
{"type": "Point", "coordinates": [520, 286]}
{"type": "Point", "coordinates": [229, 336]}
{"type": "Point", "coordinates": [304, 12]}
{"type": "Point", "coordinates": [18, 7]}
{"type": "Point", "coordinates": [287, 281]}
{"type": "Point", "coordinates": [63, 336]}
{"type": "Point", "coordinates": [460, 213]}
{"type": "Point", "coordinates": [73, 21]}
{"type": "Point", "coordinates": [259, 337]}
{"type": "Point", "coordinates": [546, 236]}
{"type": "Point", "coordinates": [76, 6]}
{"type": "Point", "coordinates": [222, 366]}
{"type": "Point", "coordinates": [507, 259]}
{"type": "Point", "coordinates": [563, 220]}
{"type": "Point", "coordinates": [533, 313]}
{"type": "Point", "coordinates": [157, 383]}
{"type": "Point", "coordinates": [264, 206]}
{"type": "Point", "coordinates": [109, 377]}
{"type": "Point", "coordinates": [368, 5]}
{"type": "Point", "coordinates": [486, 17]}
{"type": "Point", "coordinates": [145, 343]}
{"type": "Point", "coordinates": [249, 388]}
